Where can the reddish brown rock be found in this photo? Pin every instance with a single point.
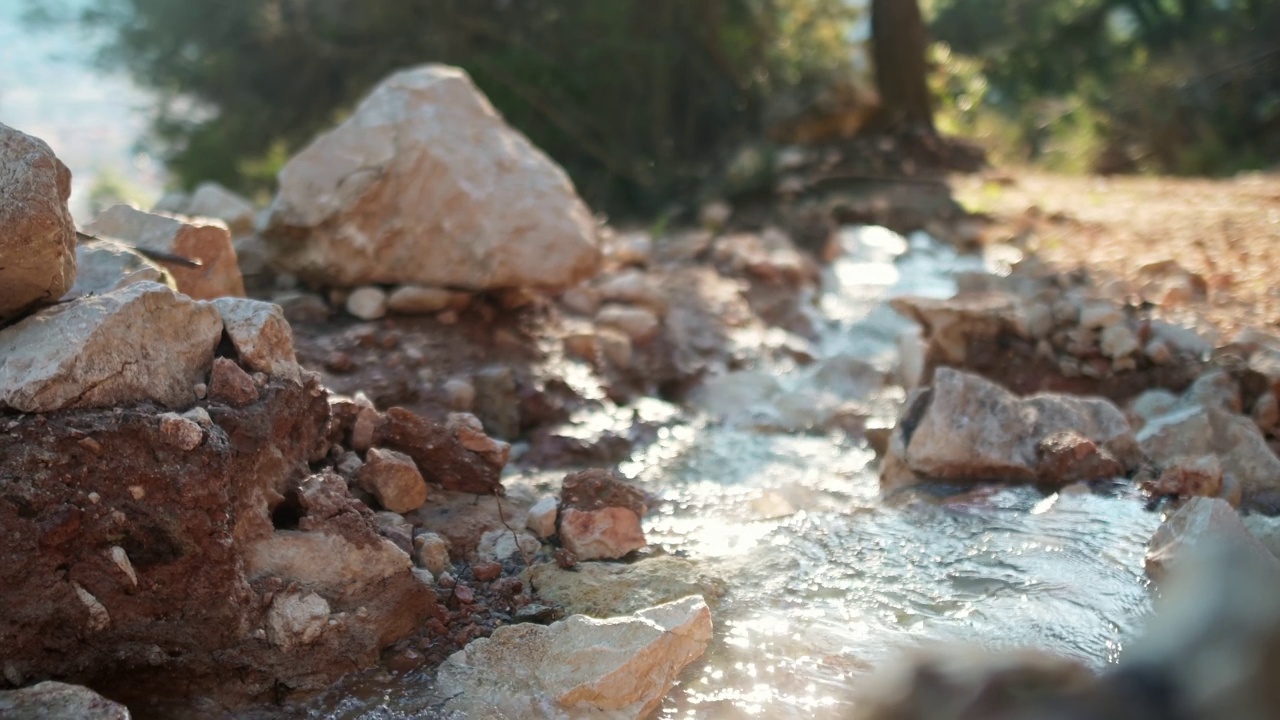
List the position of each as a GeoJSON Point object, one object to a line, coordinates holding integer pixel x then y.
{"type": "Point", "coordinates": [394, 480]}
{"type": "Point", "coordinates": [600, 515]}
{"type": "Point", "coordinates": [231, 385]}
{"type": "Point", "coordinates": [1067, 457]}
{"type": "Point", "coordinates": [438, 453]}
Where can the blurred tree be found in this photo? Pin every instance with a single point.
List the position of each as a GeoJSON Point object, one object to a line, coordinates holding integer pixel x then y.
{"type": "Point", "coordinates": [636, 98]}
{"type": "Point", "coordinates": [900, 47]}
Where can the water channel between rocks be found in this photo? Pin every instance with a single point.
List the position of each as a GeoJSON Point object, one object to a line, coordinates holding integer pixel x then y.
{"type": "Point", "coordinates": [826, 579]}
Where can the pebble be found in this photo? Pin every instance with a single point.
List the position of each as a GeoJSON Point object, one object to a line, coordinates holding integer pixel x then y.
{"type": "Point", "coordinates": [367, 303]}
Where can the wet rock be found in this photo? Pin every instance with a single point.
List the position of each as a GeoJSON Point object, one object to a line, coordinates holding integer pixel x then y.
{"type": "Point", "coordinates": [367, 303]}
{"type": "Point", "coordinates": [620, 667]}
{"type": "Point", "coordinates": [37, 234]}
{"type": "Point", "coordinates": [600, 516]}
{"type": "Point", "coordinates": [639, 324]}
{"type": "Point", "coordinates": [418, 300]}
{"type": "Point", "coordinates": [1199, 522]}
{"type": "Point", "coordinates": [261, 336]}
{"type": "Point", "coordinates": [59, 701]}
{"type": "Point", "coordinates": [103, 266]}
{"type": "Point", "coordinates": [432, 553]}
{"type": "Point", "coordinates": [213, 200]}
{"type": "Point", "coordinates": [965, 428]}
{"type": "Point", "coordinates": [475, 204]}
{"type": "Point", "coordinates": [542, 517]}
{"type": "Point", "coordinates": [607, 589]}
{"type": "Point", "coordinates": [230, 384]}
{"type": "Point", "coordinates": [437, 452]}
{"type": "Point", "coordinates": [394, 480]}
{"type": "Point", "coordinates": [140, 343]}
{"type": "Point", "coordinates": [1191, 476]}
{"type": "Point", "coordinates": [294, 619]}
{"type": "Point", "coordinates": [1067, 457]}
{"type": "Point", "coordinates": [204, 240]}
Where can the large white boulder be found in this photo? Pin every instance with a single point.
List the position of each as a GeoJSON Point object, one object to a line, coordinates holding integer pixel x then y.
{"type": "Point", "coordinates": [617, 668]}
{"type": "Point", "coordinates": [37, 234]}
{"type": "Point", "coordinates": [425, 184]}
{"type": "Point", "coordinates": [143, 342]}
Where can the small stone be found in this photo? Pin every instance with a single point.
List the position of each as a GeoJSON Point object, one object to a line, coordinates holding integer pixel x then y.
{"type": "Point", "coordinates": [180, 431]}
{"type": "Point", "coordinates": [1039, 320]}
{"type": "Point", "coordinates": [303, 307]}
{"type": "Point", "coordinates": [1191, 477]}
{"type": "Point", "coordinates": [294, 619]}
{"type": "Point", "coordinates": [201, 390]}
{"type": "Point", "coordinates": [616, 346]}
{"type": "Point", "coordinates": [448, 317]}
{"type": "Point", "coordinates": [90, 444]}
{"type": "Point", "coordinates": [1098, 315]}
{"type": "Point", "coordinates": [1118, 341]}
{"type": "Point", "coordinates": [395, 528]}
{"type": "Point", "coordinates": [565, 558]}
{"type": "Point", "coordinates": [1158, 352]}
{"type": "Point", "coordinates": [581, 300]}
{"type": "Point", "coordinates": [1266, 412]}
{"type": "Point", "coordinates": [121, 560]}
{"type": "Point", "coordinates": [200, 416]}
{"type": "Point", "coordinates": [542, 516]}
{"type": "Point", "coordinates": [367, 303]}
{"type": "Point", "coordinates": [418, 300]}
{"type": "Point", "coordinates": [260, 335]}
{"type": "Point", "coordinates": [394, 480]}
{"type": "Point", "coordinates": [639, 324]}
{"type": "Point", "coordinates": [432, 552]}
{"type": "Point", "coordinates": [486, 571]}
{"type": "Point", "coordinates": [464, 594]}
{"type": "Point", "coordinates": [230, 384]}
{"type": "Point", "coordinates": [349, 464]}
{"type": "Point", "coordinates": [460, 394]}
{"type": "Point", "coordinates": [500, 544]}
{"type": "Point", "coordinates": [99, 619]}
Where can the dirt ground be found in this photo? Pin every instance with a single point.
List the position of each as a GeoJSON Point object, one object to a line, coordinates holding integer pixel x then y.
{"type": "Point", "coordinates": [1226, 232]}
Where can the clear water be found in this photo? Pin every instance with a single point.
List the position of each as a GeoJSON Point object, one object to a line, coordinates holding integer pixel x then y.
{"type": "Point", "coordinates": [826, 579]}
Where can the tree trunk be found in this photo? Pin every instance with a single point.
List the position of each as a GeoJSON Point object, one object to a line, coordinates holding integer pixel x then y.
{"type": "Point", "coordinates": [899, 48]}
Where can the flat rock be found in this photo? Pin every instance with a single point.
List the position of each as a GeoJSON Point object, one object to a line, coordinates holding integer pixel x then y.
{"type": "Point", "coordinates": [579, 667]}
{"type": "Point", "coordinates": [141, 343]}
{"type": "Point", "coordinates": [425, 184]}
{"type": "Point", "coordinates": [261, 336]}
{"type": "Point", "coordinates": [37, 234]}
{"type": "Point", "coordinates": [103, 266]}
{"type": "Point", "coordinates": [966, 428]}
{"type": "Point", "coordinates": [202, 239]}
{"type": "Point", "coordinates": [607, 589]}
{"type": "Point", "coordinates": [51, 700]}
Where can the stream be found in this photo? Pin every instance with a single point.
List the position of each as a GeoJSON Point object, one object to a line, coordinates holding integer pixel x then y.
{"type": "Point", "coordinates": [826, 579]}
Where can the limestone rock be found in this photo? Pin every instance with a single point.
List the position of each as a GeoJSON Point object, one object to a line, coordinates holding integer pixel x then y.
{"type": "Point", "coordinates": [51, 700]}
{"type": "Point", "coordinates": [261, 336]}
{"type": "Point", "coordinates": [425, 184]}
{"type": "Point", "coordinates": [542, 517]}
{"type": "Point", "coordinates": [393, 478]}
{"type": "Point", "coordinates": [204, 240]}
{"type": "Point", "coordinates": [579, 667]}
{"type": "Point", "coordinates": [606, 589]}
{"type": "Point", "coordinates": [143, 342]}
{"type": "Point", "coordinates": [965, 428]}
{"type": "Point", "coordinates": [103, 266]}
{"type": "Point", "coordinates": [1199, 522]}
{"type": "Point", "coordinates": [213, 200]}
{"type": "Point", "coordinates": [37, 234]}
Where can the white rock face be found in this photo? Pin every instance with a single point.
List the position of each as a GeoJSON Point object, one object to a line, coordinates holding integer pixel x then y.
{"type": "Point", "coordinates": [294, 619]}
{"type": "Point", "coordinates": [617, 668]}
{"type": "Point", "coordinates": [260, 335]}
{"type": "Point", "coordinates": [202, 239]}
{"type": "Point", "coordinates": [425, 184]}
{"type": "Point", "coordinates": [972, 429]}
{"type": "Point", "coordinates": [143, 342]}
{"type": "Point", "coordinates": [37, 234]}
{"type": "Point", "coordinates": [213, 200]}
{"type": "Point", "coordinates": [103, 266]}
{"type": "Point", "coordinates": [54, 701]}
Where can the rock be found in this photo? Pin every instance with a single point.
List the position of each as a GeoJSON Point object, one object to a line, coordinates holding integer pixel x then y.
{"type": "Point", "coordinates": [432, 553]}
{"type": "Point", "coordinates": [181, 432]}
{"type": "Point", "coordinates": [469, 431]}
{"type": "Point", "coordinates": [1266, 529]}
{"type": "Point", "coordinates": [1190, 476]}
{"type": "Point", "coordinates": [230, 384]}
{"type": "Point", "coordinates": [213, 200]}
{"type": "Point", "coordinates": [1197, 523]}
{"type": "Point", "coordinates": [394, 527]}
{"type": "Point", "coordinates": [1215, 389]}
{"type": "Point", "coordinates": [330, 564]}
{"type": "Point", "coordinates": [578, 667]}
{"type": "Point", "coordinates": [460, 394]}
{"type": "Point", "coordinates": [37, 234]}
{"type": "Point", "coordinates": [424, 184]}
{"type": "Point", "coordinates": [206, 241]}
{"type": "Point", "coordinates": [303, 307]}
{"type": "Point", "coordinates": [607, 589]}
{"type": "Point", "coordinates": [630, 248]}
{"type": "Point", "coordinates": [1193, 430]}
{"type": "Point", "coordinates": [137, 344]}
{"type": "Point", "coordinates": [581, 300]}
{"type": "Point", "coordinates": [497, 402]}
{"type": "Point", "coordinates": [438, 453]}
{"type": "Point", "coordinates": [1067, 457]}
{"type": "Point", "coordinates": [1100, 315]}
{"type": "Point", "coordinates": [1266, 412]}
{"type": "Point", "coordinates": [418, 300]}
{"type": "Point", "coordinates": [637, 323]}
{"type": "Point", "coordinates": [103, 266]}
{"type": "Point", "coordinates": [1149, 406]}
{"type": "Point", "coordinates": [600, 516]}
{"type": "Point", "coordinates": [965, 428]}
{"type": "Point", "coordinates": [296, 620]}
{"type": "Point", "coordinates": [1118, 341]}
{"type": "Point", "coordinates": [51, 700]}
{"type": "Point", "coordinates": [632, 287]}
{"type": "Point", "coordinates": [500, 544]}
{"type": "Point", "coordinates": [617, 347]}
{"type": "Point", "coordinates": [367, 303]}
{"type": "Point", "coordinates": [393, 478]}
{"type": "Point", "coordinates": [174, 202]}
{"type": "Point", "coordinates": [260, 335]}
{"type": "Point", "coordinates": [542, 516]}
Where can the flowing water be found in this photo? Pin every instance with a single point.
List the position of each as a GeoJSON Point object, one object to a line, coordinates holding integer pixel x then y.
{"type": "Point", "coordinates": [826, 579]}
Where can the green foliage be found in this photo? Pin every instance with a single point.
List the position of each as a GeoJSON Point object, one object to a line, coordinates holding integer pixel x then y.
{"type": "Point", "coordinates": [1186, 86]}
{"type": "Point", "coordinates": [636, 98]}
